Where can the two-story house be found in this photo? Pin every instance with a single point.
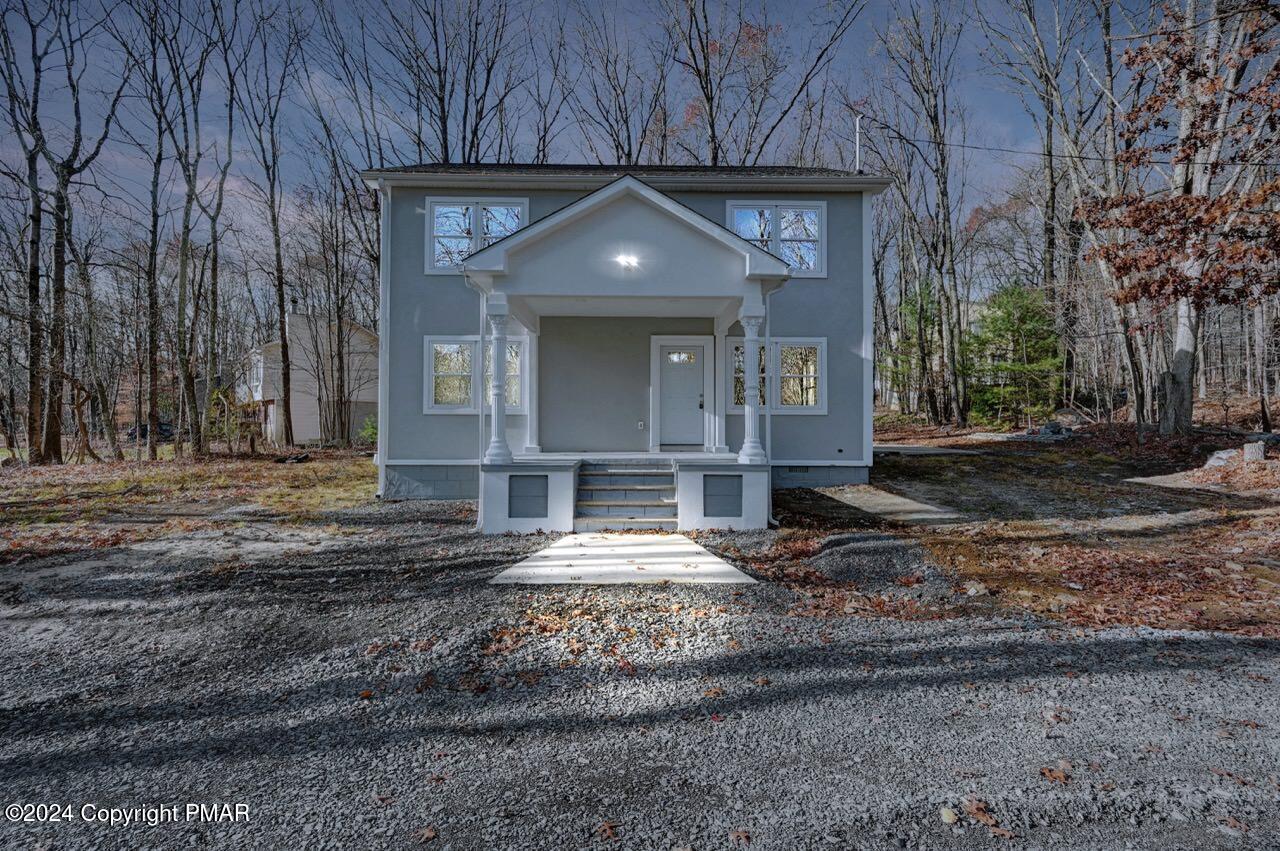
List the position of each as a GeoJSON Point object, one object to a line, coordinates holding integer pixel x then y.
{"type": "Point", "coordinates": [672, 341]}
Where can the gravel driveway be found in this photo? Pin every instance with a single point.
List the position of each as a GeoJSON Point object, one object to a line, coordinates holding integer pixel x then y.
{"type": "Point", "coordinates": [358, 684]}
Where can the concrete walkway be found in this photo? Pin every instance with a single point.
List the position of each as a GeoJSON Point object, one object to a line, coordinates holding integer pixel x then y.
{"type": "Point", "coordinates": [610, 558]}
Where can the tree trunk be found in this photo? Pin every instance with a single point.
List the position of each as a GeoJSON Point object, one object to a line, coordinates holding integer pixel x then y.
{"type": "Point", "coordinates": [153, 300]}
{"type": "Point", "coordinates": [183, 355]}
{"type": "Point", "coordinates": [1178, 382]}
{"type": "Point", "coordinates": [35, 323]}
{"type": "Point", "coordinates": [1260, 359]}
{"type": "Point", "coordinates": [281, 319]}
{"type": "Point", "coordinates": [57, 328]}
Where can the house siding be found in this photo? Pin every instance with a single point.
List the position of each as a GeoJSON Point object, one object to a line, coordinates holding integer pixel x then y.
{"type": "Point", "coordinates": [420, 304]}
{"type": "Point", "coordinates": [575, 352]}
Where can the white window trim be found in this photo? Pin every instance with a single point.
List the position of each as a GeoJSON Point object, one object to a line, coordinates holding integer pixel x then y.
{"type": "Point", "coordinates": [477, 237]}
{"type": "Point", "coordinates": [773, 373]}
{"type": "Point", "coordinates": [775, 242]}
{"type": "Point", "coordinates": [479, 392]}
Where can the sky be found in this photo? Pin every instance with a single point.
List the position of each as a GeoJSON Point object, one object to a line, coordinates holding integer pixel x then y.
{"type": "Point", "coordinates": [994, 117]}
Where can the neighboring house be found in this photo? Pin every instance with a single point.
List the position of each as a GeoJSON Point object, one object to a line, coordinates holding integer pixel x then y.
{"type": "Point", "coordinates": [329, 395]}
{"type": "Point", "coordinates": [620, 303]}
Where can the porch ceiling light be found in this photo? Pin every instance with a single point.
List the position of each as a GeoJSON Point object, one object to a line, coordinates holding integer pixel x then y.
{"type": "Point", "coordinates": [627, 261]}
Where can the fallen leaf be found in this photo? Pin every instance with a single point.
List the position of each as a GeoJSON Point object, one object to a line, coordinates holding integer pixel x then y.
{"type": "Point", "coordinates": [1002, 832]}
{"type": "Point", "coordinates": [715, 691]}
{"type": "Point", "coordinates": [427, 834]}
{"type": "Point", "coordinates": [367, 694]}
{"type": "Point", "coordinates": [608, 830]}
{"type": "Point", "coordinates": [762, 681]}
{"type": "Point", "coordinates": [739, 837]}
{"type": "Point", "coordinates": [1235, 824]}
{"type": "Point", "coordinates": [976, 809]}
{"type": "Point", "coordinates": [1060, 774]}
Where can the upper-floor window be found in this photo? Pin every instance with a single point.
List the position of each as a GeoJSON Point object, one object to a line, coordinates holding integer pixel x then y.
{"type": "Point", "coordinates": [796, 231]}
{"type": "Point", "coordinates": [458, 227]}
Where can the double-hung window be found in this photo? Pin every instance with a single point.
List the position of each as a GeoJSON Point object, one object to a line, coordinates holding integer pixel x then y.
{"type": "Point", "coordinates": [455, 383]}
{"type": "Point", "coordinates": [793, 375]}
{"type": "Point", "coordinates": [458, 227]}
{"type": "Point", "coordinates": [795, 231]}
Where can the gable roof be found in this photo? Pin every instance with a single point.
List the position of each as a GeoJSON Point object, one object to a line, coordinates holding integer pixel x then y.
{"type": "Point", "coordinates": [492, 259]}
{"type": "Point", "coordinates": [594, 175]}
{"type": "Point", "coordinates": [610, 170]}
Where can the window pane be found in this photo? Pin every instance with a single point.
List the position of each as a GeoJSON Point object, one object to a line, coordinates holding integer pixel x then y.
{"type": "Point", "coordinates": [799, 224]}
{"type": "Point", "coordinates": [452, 390]}
{"type": "Point", "coordinates": [499, 222]}
{"type": "Point", "coordinates": [452, 220]}
{"type": "Point", "coordinates": [800, 255]}
{"type": "Point", "coordinates": [513, 373]}
{"type": "Point", "coordinates": [451, 358]}
{"type": "Point", "coordinates": [739, 381]}
{"type": "Point", "coordinates": [451, 250]}
{"type": "Point", "coordinates": [682, 357]}
{"type": "Point", "coordinates": [800, 360]}
{"type": "Point", "coordinates": [798, 384]}
{"type": "Point", "coordinates": [800, 391]}
{"type": "Point", "coordinates": [755, 224]}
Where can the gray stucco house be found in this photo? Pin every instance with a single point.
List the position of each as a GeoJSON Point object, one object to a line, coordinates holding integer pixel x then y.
{"type": "Point", "coordinates": [621, 304]}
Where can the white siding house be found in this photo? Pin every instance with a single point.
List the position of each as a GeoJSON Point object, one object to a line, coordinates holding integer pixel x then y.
{"type": "Point", "coordinates": [327, 395]}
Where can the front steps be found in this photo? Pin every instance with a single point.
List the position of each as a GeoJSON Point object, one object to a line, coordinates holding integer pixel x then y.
{"type": "Point", "coordinates": [626, 495]}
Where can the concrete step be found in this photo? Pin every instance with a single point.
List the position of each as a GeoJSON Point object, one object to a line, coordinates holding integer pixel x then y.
{"type": "Point", "coordinates": [623, 493]}
{"type": "Point", "coordinates": [642, 479]}
{"type": "Point", "coordinates": [625, 509]}
{"type": "Point", "coordinates": [604, 524]}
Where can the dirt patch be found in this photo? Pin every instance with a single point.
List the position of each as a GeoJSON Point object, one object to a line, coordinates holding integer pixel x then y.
{"type": "Point", "coordinates": [53, 510]}
{"type": "Point", "coordinates": [1082, 531]}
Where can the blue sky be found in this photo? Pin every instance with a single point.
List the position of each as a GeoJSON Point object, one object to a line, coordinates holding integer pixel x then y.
{"type": "Point", "coordinates": [994, 116]}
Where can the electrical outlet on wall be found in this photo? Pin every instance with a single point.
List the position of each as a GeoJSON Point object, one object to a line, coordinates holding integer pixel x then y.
{"type": "Point", "coordinates": [639, 425]}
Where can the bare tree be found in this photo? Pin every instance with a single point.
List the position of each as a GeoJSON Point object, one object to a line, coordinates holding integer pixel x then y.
{"type": "Point", "coordinates": [24, 88]}
{"type": "Point", "coordinates": [747, 86]}
{"type": "Point", "coordinates": [76, 36]}
{"type": "Point", "coordinates": [619, 98]}
{"type": "Point", "coordinates": [274, 59]}
{"type": "Point", "coordinates": [921, 48]}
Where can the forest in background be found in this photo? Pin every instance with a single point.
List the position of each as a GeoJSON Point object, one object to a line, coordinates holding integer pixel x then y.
{"type": "Point", "coordinates": [177, 177]}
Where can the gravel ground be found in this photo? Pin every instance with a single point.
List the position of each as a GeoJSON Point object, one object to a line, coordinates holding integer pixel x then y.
{"type": "Point", "coordinates": [359, 684]}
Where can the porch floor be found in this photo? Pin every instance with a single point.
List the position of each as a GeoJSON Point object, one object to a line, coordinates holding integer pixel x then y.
{"type": "Point", "coordinates": [598, 558]}
{"type": "Point", "coordinates": [630, 457]}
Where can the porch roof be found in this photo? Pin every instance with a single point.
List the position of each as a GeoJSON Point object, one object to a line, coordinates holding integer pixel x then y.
{"type": "Point", "coordinates": [625, 250]}
{"type": "Point", "coordinates": [493, 259]}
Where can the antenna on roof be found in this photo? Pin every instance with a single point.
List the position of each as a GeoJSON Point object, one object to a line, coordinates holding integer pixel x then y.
{"type": "Point", "coordinates": [857, 143]}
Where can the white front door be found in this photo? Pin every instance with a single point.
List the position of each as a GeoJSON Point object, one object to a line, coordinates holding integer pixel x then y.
{"type": "Point", "coordinates": [682, 394]}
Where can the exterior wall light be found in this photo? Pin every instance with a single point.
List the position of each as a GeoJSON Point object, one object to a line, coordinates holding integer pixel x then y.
{"type": "Point", "coordinates": [627, 261]}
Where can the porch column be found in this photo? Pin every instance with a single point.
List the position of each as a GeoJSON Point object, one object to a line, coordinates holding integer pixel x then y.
{"type": "Point", "coordinates": [720, 444]}
{"type": "Point", "coordinates": [498, 451]}
{"type": "Point", "coordinates": [531, 385]}
{"type": "Point", "coordinates": [752, 450]}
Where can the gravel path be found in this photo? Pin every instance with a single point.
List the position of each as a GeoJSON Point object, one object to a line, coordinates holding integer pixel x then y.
{"type": "Point", "coordinates": [359, 684]}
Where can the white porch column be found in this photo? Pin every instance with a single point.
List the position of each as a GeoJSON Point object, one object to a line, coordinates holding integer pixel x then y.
{"type": "Point", "coordinates": [752, 450]}
{"type": "Point", "coordinates": [531, 387]}
{"type": "Point", "coordinates": [498, 451]}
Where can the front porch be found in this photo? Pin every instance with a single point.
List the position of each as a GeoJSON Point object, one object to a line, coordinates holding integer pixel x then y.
{"type": "Point", "coordinates": [620, 308]}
